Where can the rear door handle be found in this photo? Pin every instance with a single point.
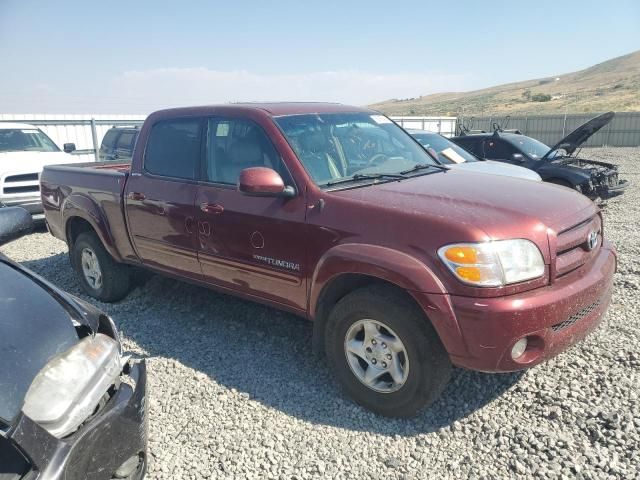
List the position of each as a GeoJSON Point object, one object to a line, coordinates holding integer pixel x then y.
{"type": "Point", "coordinates": [211, 208]}
{"type": "Point", "coordinates": [137, 196]}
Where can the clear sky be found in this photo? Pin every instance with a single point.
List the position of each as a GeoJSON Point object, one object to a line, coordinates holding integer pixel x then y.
{"type": "Point", "coordinates": [114, 56]}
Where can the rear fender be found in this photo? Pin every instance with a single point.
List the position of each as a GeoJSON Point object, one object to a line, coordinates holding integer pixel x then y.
{"type": "Point", "coordinates": [77, 205]}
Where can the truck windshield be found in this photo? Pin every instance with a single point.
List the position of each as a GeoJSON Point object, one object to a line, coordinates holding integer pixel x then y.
{"type": "Point", "coordinates": [530, 146]}
{"type": "Point", "coordinates": [25, 140]}
{"type": "Point", "coordinates": [339, 146]}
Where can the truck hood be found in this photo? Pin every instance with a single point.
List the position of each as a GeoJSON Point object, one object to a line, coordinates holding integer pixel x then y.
{"type": "Point", "coordinates": [497, 168]}
{"type": "Point", "coordinates": [499, 206]}
{"type": "Point", "coordinates": [33, 162]}
{"type": "Point", "coordinates": [581, 134]}
{"type": "Point", "coordinates": [34, 326]}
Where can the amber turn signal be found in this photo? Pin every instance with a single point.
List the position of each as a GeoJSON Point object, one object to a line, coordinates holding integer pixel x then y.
{"type": "Point", "coordinates": [470, 274]}
{"type": "Point", "coordinates": [462, 255]}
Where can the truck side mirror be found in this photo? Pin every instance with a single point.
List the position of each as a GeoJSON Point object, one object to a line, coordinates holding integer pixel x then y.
{"type": "Point", "coordinates": [69, 147]}
{"type": "Point", "coordinates": [263, 182]}
{"type": "Point", "coordinates": [15, 222]}
{"type": "Point", "coordinates": [518, 157]}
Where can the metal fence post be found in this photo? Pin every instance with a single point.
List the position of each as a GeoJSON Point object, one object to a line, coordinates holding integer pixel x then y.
{"type": "Point", "coordinates": [564, 124]}
{"type": "Point", "coordinates": [606, 141]}
{"type": "Point", "coordinates": [94, 136]}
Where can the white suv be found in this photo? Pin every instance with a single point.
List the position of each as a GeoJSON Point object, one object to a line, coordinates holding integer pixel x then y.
{"type": "Point", "coordinates": [24, 151]}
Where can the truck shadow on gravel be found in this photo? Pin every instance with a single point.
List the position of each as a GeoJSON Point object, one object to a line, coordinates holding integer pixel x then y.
{"type": "Point", "coordinates": [262, 353]}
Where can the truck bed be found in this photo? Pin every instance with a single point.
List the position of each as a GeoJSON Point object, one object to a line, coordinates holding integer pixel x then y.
{"type": "Point", "coordinates": [93, 189]}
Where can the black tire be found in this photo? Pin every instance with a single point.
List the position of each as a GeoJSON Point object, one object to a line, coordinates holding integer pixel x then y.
{"type": "Point", "coordinates": [429, 365]}
{"type": "Point", "coordinates": [115, 278]}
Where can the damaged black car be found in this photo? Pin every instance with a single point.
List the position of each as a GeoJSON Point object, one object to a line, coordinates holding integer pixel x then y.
{"type": "Point", "coordinates": [558, 164]}
{"type": "Point", "coordinates": [72, 404]}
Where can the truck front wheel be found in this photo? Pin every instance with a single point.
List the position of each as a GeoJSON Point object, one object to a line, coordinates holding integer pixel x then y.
{"type": "Point", "coordinates": [385, 353]}
{"type": "Point", "coordinates": [100, 276]}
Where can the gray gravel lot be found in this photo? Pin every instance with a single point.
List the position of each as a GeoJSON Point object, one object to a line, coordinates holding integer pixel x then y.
{"type": "Point", "coordinates": [236, 393]}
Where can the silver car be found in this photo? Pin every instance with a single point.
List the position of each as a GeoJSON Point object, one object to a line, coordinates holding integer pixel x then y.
{"type": "Point", "coordinates": [455, 156]}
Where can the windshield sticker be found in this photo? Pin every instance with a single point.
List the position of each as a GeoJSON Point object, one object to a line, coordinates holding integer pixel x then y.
{"type": "Point", "coordinates": [380, 119]}
{"type": "Point", "coordinates": [452, 155]}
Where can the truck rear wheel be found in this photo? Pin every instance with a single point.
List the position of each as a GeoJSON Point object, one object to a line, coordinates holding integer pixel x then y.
{"type": "Point", "coordinates": [385, 353]}
{"type": "Point", "coordinates": [100, 276]}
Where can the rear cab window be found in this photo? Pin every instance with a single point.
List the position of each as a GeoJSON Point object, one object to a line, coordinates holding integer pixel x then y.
{"type": "Point", "coordinates": [174, 147]}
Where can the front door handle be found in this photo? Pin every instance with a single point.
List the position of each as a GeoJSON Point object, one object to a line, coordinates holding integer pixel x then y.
{"type": "Point", "coordinates": [137, 196]}
{"type": "Point", "coordinates": [211, 208]}
{"type": "Point", "coordinates": [188, 224]}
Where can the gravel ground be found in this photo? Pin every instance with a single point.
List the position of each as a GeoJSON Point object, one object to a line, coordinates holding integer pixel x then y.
{"type": "Point", "coordinates": [236, 393]}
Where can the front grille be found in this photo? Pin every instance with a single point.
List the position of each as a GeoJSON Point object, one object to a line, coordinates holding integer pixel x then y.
{"type": "Point", "coordinates": [572, 249]}
{"type": "Point", "coordinates": [21, 183]}
{"type": "Point", "coordinates": [25, 189]}
{"type": "Point", "coordinates": [576, 317]}
{"type": "Point", "coordinates": [26, 177]}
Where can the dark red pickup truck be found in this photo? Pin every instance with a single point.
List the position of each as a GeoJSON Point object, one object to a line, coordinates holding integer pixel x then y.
{"type": "Point", "coordinates": [336, 214]}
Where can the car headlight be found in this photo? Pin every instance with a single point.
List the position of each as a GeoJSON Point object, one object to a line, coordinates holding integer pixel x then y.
{"type": "Point", "coordinates": [69, 388]}
{"type": "Point", "coordinates": [493, 264]}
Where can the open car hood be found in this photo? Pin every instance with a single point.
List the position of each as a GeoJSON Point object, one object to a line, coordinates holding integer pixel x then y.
{"type": "Point", "coordinates": [581, 134]}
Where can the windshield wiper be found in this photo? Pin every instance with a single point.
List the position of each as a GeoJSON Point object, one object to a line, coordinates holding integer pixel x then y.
{"type": "Point", "coordinates": [363, 176]}
{"type": "Point", "coordinates": [424, 166]}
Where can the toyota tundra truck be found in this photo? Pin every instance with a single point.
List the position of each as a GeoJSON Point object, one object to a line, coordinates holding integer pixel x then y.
{"type": "Point", "coordinates": [336, 214]}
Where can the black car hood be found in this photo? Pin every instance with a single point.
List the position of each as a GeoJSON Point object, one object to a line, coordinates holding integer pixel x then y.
{"type": "Point", "coordinates": [35, 326]}
{"type": "Point", "coordinates": [581, 134]}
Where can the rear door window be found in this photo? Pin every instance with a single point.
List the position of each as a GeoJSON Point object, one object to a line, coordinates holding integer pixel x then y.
{"type": "Point", "coordinates": [496, 149]}
{"type": "Point", "coordinates": [109, 140]}
{"type": "Point", "coordinates": [173, 149]}
{"type": "Point", "coordinates": [471, 145]}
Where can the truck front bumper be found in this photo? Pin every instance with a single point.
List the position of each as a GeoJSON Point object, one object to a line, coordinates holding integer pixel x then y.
{"type": "Point", "coordinates": [613, 191]}
{"type": "Point", "coordinates": [551, 318]}
{"type": "Point", "coordinates": [105, 443]}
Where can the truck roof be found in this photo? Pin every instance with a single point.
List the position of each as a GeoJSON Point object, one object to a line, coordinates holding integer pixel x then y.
{"type": "Point", "coordinates": [276, 109]}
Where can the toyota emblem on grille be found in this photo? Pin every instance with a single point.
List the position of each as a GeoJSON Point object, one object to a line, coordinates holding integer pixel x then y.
{"type": "Point", "coordinates": [592, 240]}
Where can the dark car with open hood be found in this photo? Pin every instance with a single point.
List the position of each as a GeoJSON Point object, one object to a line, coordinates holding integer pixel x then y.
{"type": "Point", "coordinates": [72, 404]}
{"type": "Point", "coordinates": [558, 164]}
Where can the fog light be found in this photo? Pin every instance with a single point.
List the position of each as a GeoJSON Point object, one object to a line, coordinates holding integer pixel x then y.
{"type": "Point", "coordinates": [519, 348]}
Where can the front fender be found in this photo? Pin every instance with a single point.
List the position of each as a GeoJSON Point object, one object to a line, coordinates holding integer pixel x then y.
{"type": "Point", "coordinates": [397, 268]}
{"type": "Point", "coordinates": [573, 175]}
{"type": "Point", "coordinates": [77, 205]}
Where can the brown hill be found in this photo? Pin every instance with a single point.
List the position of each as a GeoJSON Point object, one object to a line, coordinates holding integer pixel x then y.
{"type": "Point", "coordinates": [611, 85]}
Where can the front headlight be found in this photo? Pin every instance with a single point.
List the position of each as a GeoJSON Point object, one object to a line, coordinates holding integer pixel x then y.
{"type": "Point", "coordinates": [69, 388]}
{"type": "Point", "coordinates": [493, 264]}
